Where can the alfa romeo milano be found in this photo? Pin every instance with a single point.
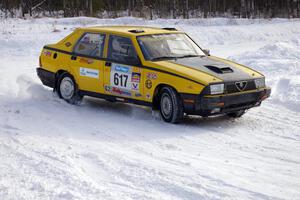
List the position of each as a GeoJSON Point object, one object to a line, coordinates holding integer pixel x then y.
{"type": "Point", "coordinates": [158, 67]}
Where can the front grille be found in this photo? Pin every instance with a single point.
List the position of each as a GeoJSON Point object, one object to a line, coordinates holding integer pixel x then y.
{"type": "Point", "coordinates": [232, 88]}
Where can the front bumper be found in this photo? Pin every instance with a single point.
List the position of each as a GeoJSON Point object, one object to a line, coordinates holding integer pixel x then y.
{"type": "Point", "coordinates": [207, 105]}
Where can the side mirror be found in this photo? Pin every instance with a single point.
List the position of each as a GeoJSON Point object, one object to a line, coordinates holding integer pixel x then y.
{"type": "Point", "coordinates": [206, 51]}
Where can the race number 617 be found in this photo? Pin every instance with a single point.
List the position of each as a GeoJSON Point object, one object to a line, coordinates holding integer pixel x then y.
{"type": "Point", "coordinates": [120, 79]}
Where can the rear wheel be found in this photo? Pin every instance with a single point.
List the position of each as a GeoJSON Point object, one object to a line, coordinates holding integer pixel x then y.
{"type": "Point", "coordinates": [236, 114]}
{"type": "Point", "coordinates": [171, 108]}
{"type": "Point", "coordinates": [67, 89]}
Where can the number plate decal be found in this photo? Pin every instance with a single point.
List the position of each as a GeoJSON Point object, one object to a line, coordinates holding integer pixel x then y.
{"type": "Point", "coordinates": [124, 80]}
{"type": "Point", "coordinates": [120, 76]}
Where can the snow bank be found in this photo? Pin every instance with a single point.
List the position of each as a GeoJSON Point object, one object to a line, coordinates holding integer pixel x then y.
{"type": "Point", "coordinates": [280, 62]}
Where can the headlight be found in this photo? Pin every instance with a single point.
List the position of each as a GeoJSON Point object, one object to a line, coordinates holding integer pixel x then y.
{"type": "Point", "coordinates": [217, 89]}
{"type": "Point", "coordinates": [260, 83]}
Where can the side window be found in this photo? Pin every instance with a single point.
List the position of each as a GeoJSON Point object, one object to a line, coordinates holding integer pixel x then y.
{"type": "Point", "coordinates": [121, 49]}
{"type": "Point", "coordinates": [91, 44]}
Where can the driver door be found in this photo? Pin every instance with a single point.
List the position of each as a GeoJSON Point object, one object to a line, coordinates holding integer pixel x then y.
{"type": "Point", "coordinates": [122, 74]}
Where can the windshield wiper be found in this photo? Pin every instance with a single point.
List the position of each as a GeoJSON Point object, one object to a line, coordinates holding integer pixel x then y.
{"type": "Point", "coordinates": [191, 55]}
{"type": "Point", "coordinates": [175, 57]}
{"type": "Point", "coordinates": [164, 58]}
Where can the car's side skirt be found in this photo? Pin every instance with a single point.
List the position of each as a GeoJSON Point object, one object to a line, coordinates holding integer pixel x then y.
{"type": "Point", "coordinates": [114, 98]}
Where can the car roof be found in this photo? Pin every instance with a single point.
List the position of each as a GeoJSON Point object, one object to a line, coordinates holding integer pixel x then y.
{"type": "Point", "coordinates": [132, 30]}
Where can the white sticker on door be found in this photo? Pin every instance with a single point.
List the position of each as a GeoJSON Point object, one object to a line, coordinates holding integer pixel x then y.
{"type": "Point", "coordinates": [92, 73]}
{"type": "Point", "coordinates": [120, 76]}
{"type": "Point", "coordinates": [123, 80]}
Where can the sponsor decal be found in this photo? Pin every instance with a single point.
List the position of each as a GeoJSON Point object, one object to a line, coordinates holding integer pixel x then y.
{"type": "Point", "coordinates": [92, 73]}
{"type": "Point", "coordinates": [151, 75]}
{"type": "Point", "coordinates": [85, 60]}
{"type": "Point", "coordinates": [148, 96]}
{"type": "Point", "coordinates": [137, 69]}
{"type": "Point", "coordinates": [241, 85]}
{"type": "Point", "coordinates": [148, 84]}
{"type": "Point", "coordinates": [107, 88]}
{"type": "Point", "coordinates": [135, 86]}
{"type": "Point", "coordinates": [138, 94]}
{"type": "Point", "coordinates": [121, 68]}
{"type": "Point", "coordinates": [47, 53]}
{"type": "Point", "coordinates": [135, 77]}
{"type": "Point", "coordinates": [119, 91]}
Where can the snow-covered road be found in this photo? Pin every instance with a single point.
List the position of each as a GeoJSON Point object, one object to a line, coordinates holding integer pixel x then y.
{"type": "Point", "coordinates": [99, 150]}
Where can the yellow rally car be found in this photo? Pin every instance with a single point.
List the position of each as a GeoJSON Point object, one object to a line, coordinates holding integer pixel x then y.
{"type": "Point", "coordinates": [158, 67]}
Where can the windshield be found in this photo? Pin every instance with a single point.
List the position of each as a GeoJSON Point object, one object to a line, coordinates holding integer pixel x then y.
{"type": "Point", "coordinates": [168, 46]}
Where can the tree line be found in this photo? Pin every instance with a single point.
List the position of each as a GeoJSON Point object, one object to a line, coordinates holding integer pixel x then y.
{"type": "Point", "coordinates": [152, 8]}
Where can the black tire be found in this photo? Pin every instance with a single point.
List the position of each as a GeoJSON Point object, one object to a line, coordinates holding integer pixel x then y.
{"type": "Point", "coordinates": [236, 114]}
{"type": "Point", "coordinates": [170, 105]}
{"type": "Point", "coordinates": [72, 95]}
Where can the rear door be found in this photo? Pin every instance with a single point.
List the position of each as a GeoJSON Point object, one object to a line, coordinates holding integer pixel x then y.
{"type": "Point", "coordinates": [87, 62]}
{"type": "Point", "coordinates": [122, 74]}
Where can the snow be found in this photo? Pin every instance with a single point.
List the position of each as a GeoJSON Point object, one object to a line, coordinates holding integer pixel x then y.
{"type": "Point", "coordinates": [100, 150]}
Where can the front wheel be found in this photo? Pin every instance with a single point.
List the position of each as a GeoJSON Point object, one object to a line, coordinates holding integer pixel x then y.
{"type": "Point", "coordinates": [171, 108]}
{"type": "Point", "coordinates": [67, 89]}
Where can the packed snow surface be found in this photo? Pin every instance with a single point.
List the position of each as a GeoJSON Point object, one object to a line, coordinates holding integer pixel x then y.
{"type": "Point", "coordinates": [99, 150]}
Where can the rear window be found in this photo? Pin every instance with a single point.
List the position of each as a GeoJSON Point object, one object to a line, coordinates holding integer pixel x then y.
{"type": "Point", "coordinates": [91, 44]}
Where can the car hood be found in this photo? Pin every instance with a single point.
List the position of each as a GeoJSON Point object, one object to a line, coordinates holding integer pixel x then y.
{"type": "Point", "coordinates": [223, 70]}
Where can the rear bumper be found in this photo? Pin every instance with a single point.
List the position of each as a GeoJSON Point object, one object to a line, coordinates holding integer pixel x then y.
{"type": "Point", "coordinates": [47, 77]}
{"type": "Point", "coordinates": [213, 105]}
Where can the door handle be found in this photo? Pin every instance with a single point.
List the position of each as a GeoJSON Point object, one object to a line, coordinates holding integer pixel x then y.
{"type": "Point", "coordinates": [108, 64]}
{"type": "Point", "coordinates": [73, 57]}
